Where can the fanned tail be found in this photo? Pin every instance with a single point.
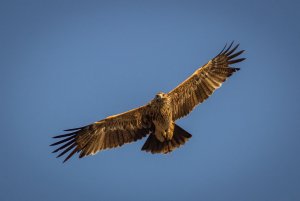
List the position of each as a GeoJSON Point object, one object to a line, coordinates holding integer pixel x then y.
{"type": "Point", "coordinates": [153, 145]}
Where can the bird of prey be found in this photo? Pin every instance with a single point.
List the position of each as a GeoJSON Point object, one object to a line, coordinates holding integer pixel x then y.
{"type": "Point", "coordinates": [157, 118]}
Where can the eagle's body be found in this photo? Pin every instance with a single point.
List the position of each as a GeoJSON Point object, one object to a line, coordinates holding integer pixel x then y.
{"type": "Point", "coordinates": [156, 118]}
{"type": "Point", "coordinates": [162, 118]}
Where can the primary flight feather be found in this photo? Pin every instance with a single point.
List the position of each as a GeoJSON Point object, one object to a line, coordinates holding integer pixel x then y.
{"type": "Point", "coordinates": [156, 118]}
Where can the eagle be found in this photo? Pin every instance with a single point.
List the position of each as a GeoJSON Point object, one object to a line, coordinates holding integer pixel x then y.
{"type": "Point", "coordinates": [156, 119]}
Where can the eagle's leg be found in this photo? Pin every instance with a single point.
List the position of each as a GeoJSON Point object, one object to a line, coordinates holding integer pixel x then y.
{"type": "Point", "coordinates": [170, 131]}
{"type": "Point", "coordinates": [160, 134]}
{"type": "Point", "coordinates": [163, 131]}
{"type": "Point", "coordinates": [160, 131]}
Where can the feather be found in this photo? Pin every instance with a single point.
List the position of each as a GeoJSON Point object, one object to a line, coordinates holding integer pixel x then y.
{"type": "Point", "coordinates": [104, 134]}
{"type": "Point", "coordinates": [204, 81]}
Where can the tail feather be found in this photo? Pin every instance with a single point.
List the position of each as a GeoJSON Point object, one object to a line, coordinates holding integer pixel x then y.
{"type": "Point", "coordinates": [153, 145]}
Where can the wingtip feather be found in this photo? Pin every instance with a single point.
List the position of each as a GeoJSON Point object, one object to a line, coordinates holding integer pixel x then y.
{"type": "Point", "coordinates": [222, 50]}
{"type": "Point", "coordinates": [64, 135]}
{"type": "Point", "coordinates": [74, 129]}
{"type": "Point", "coordinates": [236, 61]}
{"type": "Point", "coordinates": [228, 47]}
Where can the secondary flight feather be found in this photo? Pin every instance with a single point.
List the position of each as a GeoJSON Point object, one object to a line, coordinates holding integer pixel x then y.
{"type": "Point", "coordinates": [157, 118]}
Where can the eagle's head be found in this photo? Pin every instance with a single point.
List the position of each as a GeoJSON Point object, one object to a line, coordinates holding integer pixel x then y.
{"type": "Point", "coordinates": [159, 96]}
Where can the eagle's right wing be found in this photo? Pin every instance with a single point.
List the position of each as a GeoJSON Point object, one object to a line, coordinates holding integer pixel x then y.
{"type": "Point", "coordinates": [110, 132]}
{"type": "Point", "coordinates": [203, 82]}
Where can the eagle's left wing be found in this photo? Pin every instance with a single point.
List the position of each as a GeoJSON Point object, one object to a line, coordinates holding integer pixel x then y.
{"type": "Point", "coordinates": [203, 82]}
{"type": "Point", "coordinates": [108, 133]}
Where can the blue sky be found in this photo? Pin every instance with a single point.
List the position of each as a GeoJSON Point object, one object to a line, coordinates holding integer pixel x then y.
{"type": "Point", "coordinates": [65, 64]}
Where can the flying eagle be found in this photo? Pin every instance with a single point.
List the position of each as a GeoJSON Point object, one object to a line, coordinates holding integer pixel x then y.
{"type": "Point", "coordinates": [157, 118]}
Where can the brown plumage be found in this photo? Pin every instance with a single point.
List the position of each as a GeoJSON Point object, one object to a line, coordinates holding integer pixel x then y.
{"type": "Point", "coordinates": [157, 118]}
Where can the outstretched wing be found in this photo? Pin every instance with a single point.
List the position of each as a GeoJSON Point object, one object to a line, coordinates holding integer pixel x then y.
{"type": "Point", "coordinates": [204, 81]}
{"type": "Point", "coordinates": [111, 132]}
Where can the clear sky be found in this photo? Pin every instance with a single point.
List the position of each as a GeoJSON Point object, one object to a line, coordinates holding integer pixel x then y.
{"type": "Point", "coordinates": [65, 64]}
